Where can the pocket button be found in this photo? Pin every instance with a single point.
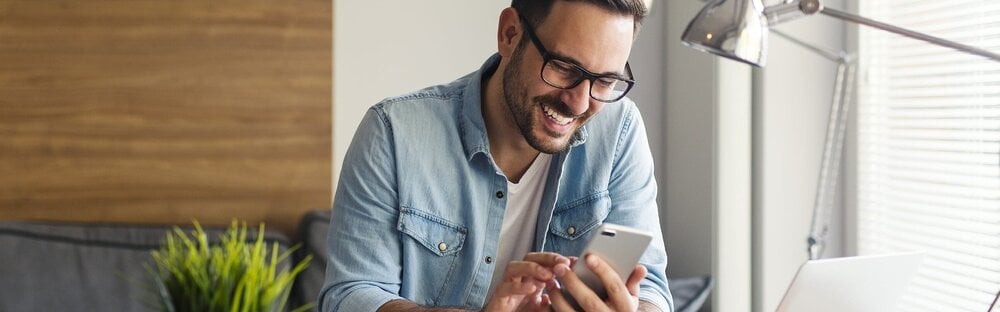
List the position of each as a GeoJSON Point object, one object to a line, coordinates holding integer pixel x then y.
{"type": "Point", "coordinates": [442, 246]}
{"type": "Point", "coordinates": [571, 230]}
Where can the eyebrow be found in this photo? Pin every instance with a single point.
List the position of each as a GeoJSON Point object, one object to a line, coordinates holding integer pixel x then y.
{"type": "Point", "coordinates": [575, 62]}
{"type": "Point", "coordinates": [565, 58]}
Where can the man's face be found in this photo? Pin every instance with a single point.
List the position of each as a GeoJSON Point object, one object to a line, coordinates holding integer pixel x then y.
{"type": "Point", "coordinates": [577, 33]}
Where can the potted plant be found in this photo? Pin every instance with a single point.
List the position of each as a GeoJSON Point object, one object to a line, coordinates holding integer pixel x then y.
{"type": "Point", "coordinates": [191, 274]}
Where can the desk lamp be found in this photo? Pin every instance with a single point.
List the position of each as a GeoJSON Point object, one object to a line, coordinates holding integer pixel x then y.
{"type": "Point", "coordinates": [738, 30]}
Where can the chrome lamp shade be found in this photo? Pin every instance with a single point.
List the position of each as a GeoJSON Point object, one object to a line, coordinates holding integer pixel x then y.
{"type": "Point", "coordinates": [732, 29]}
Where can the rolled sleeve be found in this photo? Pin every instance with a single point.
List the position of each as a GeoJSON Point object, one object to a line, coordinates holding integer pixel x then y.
{"type": "Point", "coordinates": [362, 243]}
{"type": "Point", "coordinates": [657, 298]}
{"type": "Point", "coordinates": [633, 191]}
{"type": "Point", "coordinates": [360, 299]}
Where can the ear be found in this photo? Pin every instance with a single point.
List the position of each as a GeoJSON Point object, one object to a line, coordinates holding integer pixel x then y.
{"type": "Point", "coordinates": [508, 32]}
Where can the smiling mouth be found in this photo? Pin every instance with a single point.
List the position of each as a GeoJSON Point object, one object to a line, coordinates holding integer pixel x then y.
{"type": "Point", "coordinates": [559, 118]}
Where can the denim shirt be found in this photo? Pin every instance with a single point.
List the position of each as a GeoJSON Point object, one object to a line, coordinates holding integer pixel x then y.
{"type": "Point", "coordinates": [418, 209]}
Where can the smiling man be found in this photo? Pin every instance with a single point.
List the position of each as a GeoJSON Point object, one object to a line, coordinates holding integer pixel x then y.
{"type": "Point", "coordinates": [478, 194]}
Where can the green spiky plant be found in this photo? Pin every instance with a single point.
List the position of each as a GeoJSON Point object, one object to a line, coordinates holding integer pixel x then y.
{"type": "Point", "coordinates": [235, 275]}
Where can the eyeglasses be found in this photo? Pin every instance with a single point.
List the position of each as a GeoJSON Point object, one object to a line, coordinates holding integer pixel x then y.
{"type": "Point", "coordinates": [565, 75]}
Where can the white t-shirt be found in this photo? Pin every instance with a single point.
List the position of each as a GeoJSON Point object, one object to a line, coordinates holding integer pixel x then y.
{"type": "Point", "coordinates": [520, 216]}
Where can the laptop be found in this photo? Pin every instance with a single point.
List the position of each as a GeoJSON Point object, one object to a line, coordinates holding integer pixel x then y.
{"type": "Point", "coordinates": [851, 284]}
{"type": "Point", "coordinates": [994, 307]}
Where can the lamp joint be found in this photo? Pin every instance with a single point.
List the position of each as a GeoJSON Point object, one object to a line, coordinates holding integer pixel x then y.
{"type": "Point", "coordinates": [810, 7]}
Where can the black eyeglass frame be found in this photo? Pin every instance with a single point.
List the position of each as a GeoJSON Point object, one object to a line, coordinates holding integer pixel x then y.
{"type": "Point", "coordinates": [585, 74]}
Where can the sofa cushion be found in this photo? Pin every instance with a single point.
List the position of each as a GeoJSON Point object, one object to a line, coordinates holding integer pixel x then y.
{"type": "Point", "coordinates": [313, 230]}
{"type": "Point", "coordinates": [81, 267]}
{"type": "Point", "coordinates": [690, 293]}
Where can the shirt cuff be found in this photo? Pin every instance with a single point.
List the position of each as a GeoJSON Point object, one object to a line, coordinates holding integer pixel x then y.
{"type": "Point", "coordinates": [367, 299]}
{"type": "Point", "coordinates": [656, 298]}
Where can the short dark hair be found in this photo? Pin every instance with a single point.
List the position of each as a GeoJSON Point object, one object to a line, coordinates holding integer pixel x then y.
{"type": "Point", "coordinates": [535, 11]}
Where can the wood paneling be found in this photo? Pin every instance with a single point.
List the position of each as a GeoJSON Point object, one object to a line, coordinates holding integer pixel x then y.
{"type": "Point", "coordinates": [165, 111]}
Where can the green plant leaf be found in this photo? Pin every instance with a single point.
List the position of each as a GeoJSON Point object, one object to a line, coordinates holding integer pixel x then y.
{"type": "Point", "coordinates": [193, 274]}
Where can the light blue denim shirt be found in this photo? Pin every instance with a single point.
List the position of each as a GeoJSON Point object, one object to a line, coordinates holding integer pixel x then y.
{"type": "Point", "coordinates": [420, 202]}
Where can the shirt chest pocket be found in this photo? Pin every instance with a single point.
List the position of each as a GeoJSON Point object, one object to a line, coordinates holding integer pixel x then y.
{"type": "Point", "coordinates": [431, 248]}
{"type": "Point", "coordinates": [438, 235]}
{"type": "Point", "coordinates": [572, 225]}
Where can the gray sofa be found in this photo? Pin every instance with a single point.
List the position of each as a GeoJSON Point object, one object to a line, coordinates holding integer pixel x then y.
{"type": "Point", "coordinates": [85, 267]}
{"type": "Point", "coordinates": [95, 267]}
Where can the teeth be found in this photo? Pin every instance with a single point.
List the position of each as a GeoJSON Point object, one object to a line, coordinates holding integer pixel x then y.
{"type": "Point", "coordinates": [560, 119]}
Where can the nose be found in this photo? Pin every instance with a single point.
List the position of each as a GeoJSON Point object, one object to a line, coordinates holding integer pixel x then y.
{"type": "Point", "coordinates": [577, 99]}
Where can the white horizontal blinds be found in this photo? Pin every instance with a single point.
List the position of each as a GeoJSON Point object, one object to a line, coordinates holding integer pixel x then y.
{"type": "Point", "coordinates": [929, 149]}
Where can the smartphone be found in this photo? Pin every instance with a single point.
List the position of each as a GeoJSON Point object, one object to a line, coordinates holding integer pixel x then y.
{"type": "Point", "coordinates": [620, 246]}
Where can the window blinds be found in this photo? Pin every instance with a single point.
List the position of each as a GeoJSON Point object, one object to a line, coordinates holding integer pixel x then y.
{"type": "Point", "coordinates": [929, 149]}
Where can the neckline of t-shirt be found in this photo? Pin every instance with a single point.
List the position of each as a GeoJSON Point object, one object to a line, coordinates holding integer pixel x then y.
{"type": "Point", "coordinates": [534, 172]}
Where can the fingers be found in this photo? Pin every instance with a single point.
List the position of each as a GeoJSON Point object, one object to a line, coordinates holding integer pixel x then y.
{"type": "Point", "coordinates": [558, 302]}
{"type": "Point", "coordinates": [524, 282]}
{"type": "Point", "coordinates": [527, 277]}
{"type": "Point", "coordinates": [612, 282]}
{"type": "Point", "coordinates": [638, 273]}
{"type": "Point", "coordinates": [519, 286]}
{"type": "Point", "coordinates": [547, 259]}
{"type": "Point", "coordinates": [532, 270]}
{"type": "Point", "coordinates": [620, 296]}
{"type": "Point", "coordinates": [539, 301]}
{"type": "Point", "coordinates": [573, 286]}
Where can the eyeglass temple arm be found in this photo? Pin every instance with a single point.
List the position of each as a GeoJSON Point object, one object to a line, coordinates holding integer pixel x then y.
{"type": "Point", "coordinates": [792, 9]}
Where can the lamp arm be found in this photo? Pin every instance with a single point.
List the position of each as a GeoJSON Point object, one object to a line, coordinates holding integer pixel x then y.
{"type": "Point", "coordinates": [839, 57]}
{"type": "Point", "coordinates": [909, 33]}
{"type": "Point", "coordinates": [833, 143]}
{"type": "Point", "coordinates": [792, 9]}
{"type": "Point", "coordinates": [783, 12]}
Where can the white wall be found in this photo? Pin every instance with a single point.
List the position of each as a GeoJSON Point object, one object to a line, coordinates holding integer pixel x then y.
{"type": "Point", "coordinates": [387, 48]}
{"type": "Point", "coordinates": [793, 100]}
{"type": "Point", "coordinates": [690, 131]}
{"type": "Point", "coordinates": [708, 191]}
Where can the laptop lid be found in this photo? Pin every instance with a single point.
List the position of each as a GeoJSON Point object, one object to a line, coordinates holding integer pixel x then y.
{"type": "Point", "coordinates": [855, 284]}
{"type": "Point", "coordinates": [994, 307]}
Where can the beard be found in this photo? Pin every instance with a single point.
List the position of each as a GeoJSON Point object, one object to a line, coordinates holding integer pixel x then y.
{"type": "Point", "coordinates": [524, 112]}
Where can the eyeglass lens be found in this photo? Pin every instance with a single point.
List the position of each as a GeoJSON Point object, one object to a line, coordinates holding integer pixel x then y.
{"type": "Point", "coordinates": [564, 75]}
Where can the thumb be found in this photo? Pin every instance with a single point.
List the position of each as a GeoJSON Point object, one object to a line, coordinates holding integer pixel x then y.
{"type": "Point", "coordinates": [632, 284]}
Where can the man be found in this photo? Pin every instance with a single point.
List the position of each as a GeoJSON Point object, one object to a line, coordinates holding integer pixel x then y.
{"type": "Point", "coordinates": [475, 194]}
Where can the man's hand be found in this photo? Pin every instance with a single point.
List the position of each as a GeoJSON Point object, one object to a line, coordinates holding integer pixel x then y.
{"type": "Point", "coordinates": [524, 282]}
{"type": "Point", "coordinates": [621, 296]}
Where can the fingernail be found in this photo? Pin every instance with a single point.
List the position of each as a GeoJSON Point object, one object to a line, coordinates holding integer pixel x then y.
{"type": "Point", "coordinates": [544, 273]}
{"type": "Point", "coordinates": [591, 261]}
{"type": "Point", "coordinates": [560, 269]}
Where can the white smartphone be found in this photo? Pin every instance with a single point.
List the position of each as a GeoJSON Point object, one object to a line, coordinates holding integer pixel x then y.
{"type": "Point", "coordinates": [620, 246]}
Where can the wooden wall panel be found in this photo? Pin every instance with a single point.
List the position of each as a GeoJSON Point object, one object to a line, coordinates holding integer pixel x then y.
{"type": "Point", "coordinates": [165, 111]}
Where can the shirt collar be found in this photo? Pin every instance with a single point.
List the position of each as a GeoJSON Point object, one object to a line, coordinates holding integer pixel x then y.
{"type": "Point", "coordinates": [474, 139]}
